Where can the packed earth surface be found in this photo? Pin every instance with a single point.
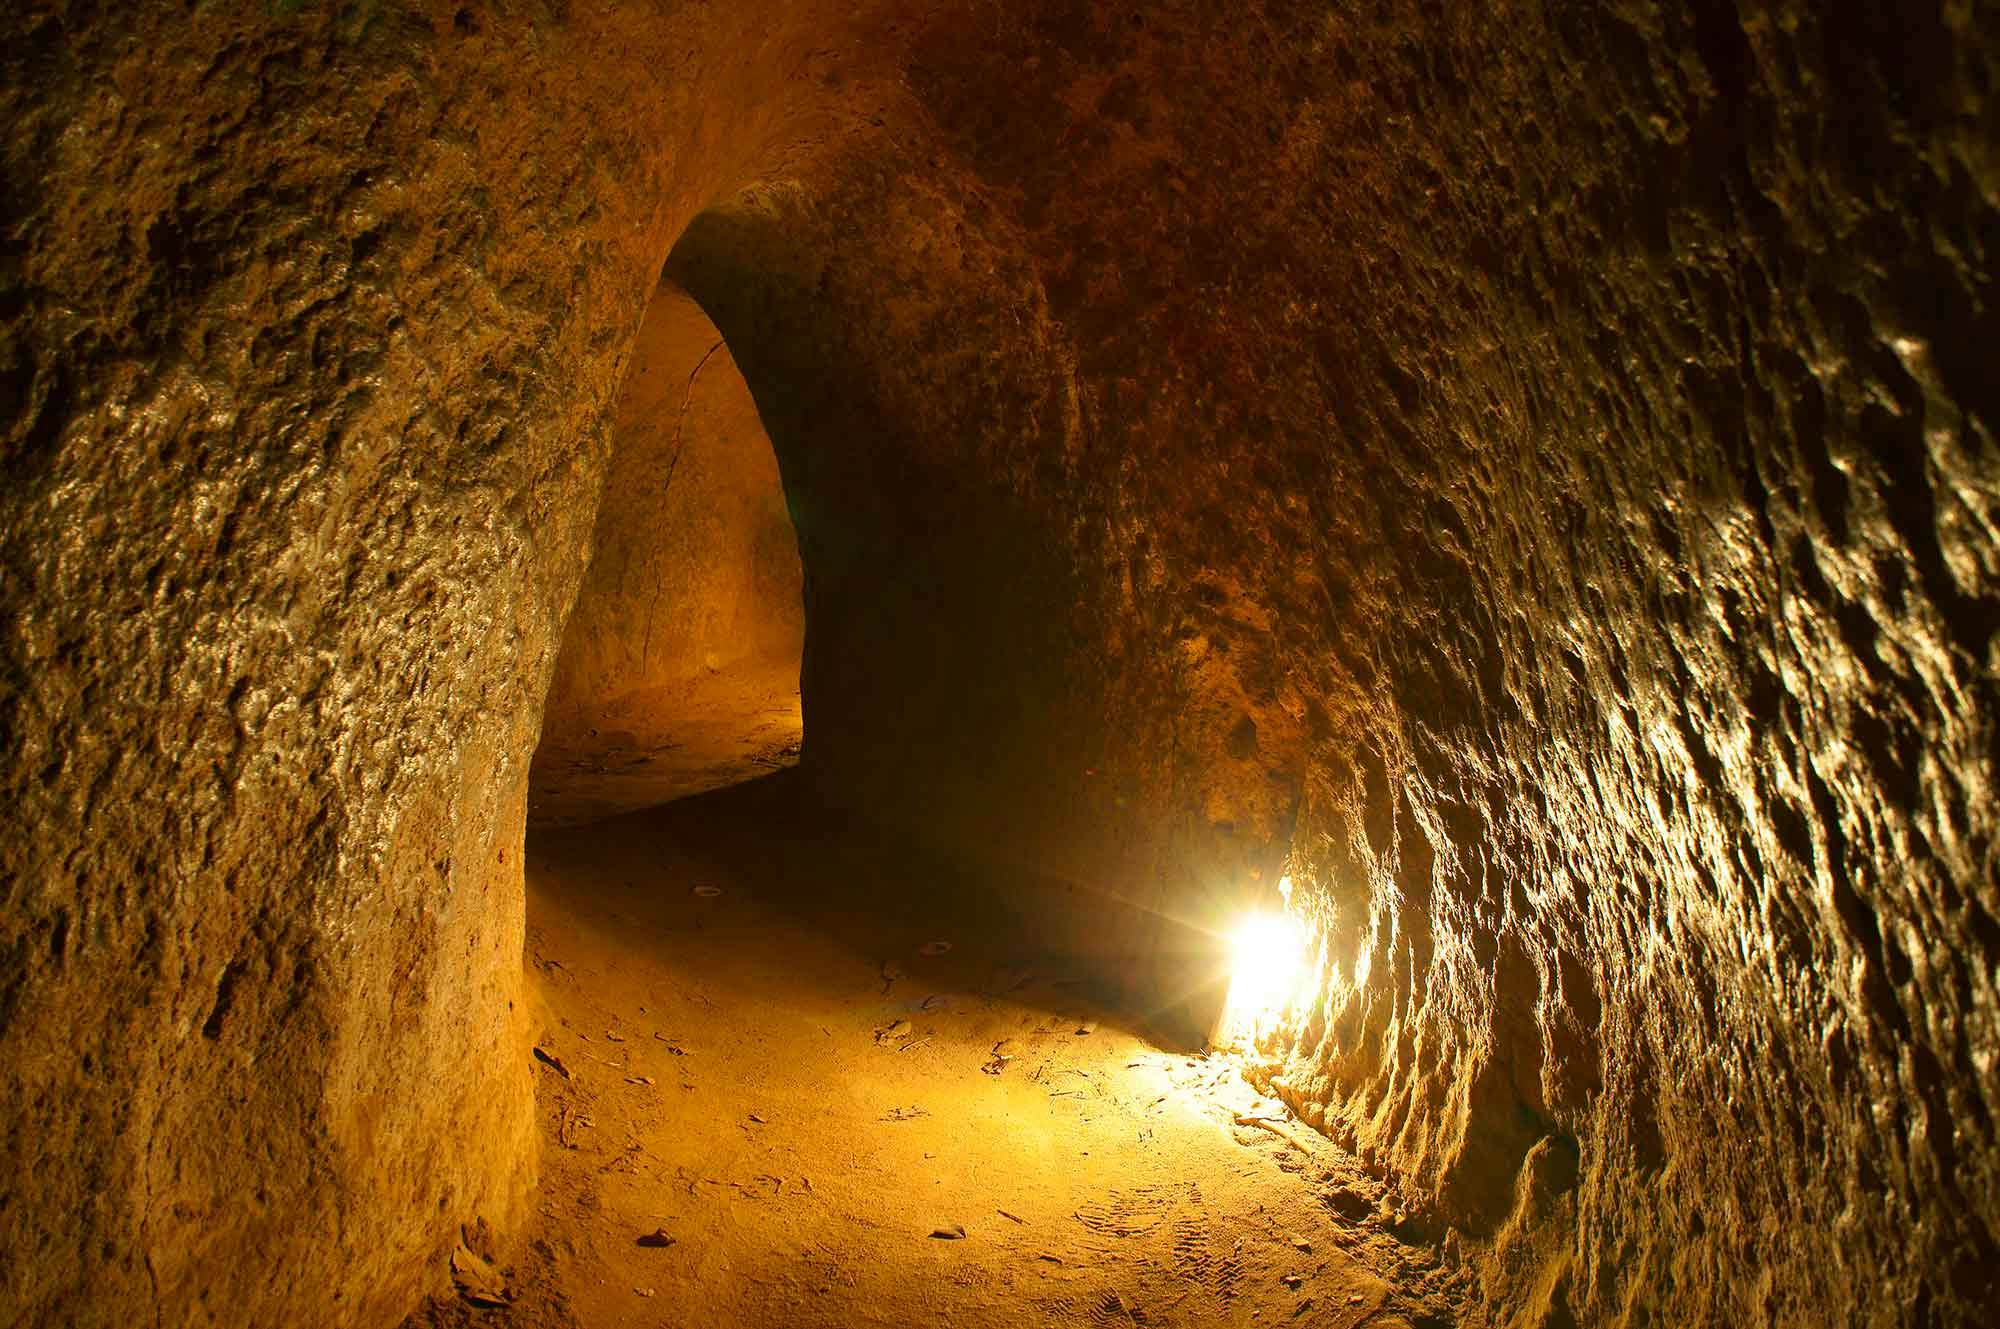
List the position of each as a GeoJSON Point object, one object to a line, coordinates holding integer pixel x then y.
{"type": "Point", "coordinates": [761, 1106]}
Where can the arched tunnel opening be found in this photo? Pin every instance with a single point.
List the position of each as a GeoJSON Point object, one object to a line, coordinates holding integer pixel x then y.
{"type": "Point", "coordinates": [998, 664]}
{"type": "Point", "coordinates": [679, 666]}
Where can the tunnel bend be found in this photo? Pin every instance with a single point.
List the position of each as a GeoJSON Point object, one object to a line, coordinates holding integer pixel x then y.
{"type": "Point", "coordinates": [679, 670]}
{"type": "Point", "coordinates": [970, 675]}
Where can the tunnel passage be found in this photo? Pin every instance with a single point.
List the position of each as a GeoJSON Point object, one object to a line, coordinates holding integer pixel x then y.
{"type": "Point", "coordinates": [1531, 467]}
{"type": "Point", "coordinates": [679, 667]}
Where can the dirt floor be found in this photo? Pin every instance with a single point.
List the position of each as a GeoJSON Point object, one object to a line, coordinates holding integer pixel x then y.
{"type": "Point", "coordinates": [791, 1075]}
{"type": "Point", "coordinates": [720, 727]}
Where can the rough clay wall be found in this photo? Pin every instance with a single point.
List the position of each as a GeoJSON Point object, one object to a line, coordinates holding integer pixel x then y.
{"type": "Point", "coordinates": [1533, 461]}
{"type": "Point", "coordinates": [694, 567]}
{"type": "Point", "coordinates": [315, 316]}
{"type": "Point", "coordinates": [1664, 866]}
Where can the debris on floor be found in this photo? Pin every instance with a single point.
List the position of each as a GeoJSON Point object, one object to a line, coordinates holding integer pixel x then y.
{"type": "Point", "coordinates": [476, 1280]}
{"type": "Point", "coordinates": [569, 1121]}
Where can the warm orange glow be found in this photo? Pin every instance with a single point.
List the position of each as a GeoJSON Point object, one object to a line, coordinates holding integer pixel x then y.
{"type": "Point", "coordinates": [1269, 952]}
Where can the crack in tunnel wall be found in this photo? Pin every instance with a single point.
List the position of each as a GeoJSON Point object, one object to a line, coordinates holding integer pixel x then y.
{"type": "Point", "coordinates": [1532, 468]}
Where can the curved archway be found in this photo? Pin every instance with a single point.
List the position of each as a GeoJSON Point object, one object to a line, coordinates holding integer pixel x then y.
{"type": "Point", "coordinates": [679, 667]}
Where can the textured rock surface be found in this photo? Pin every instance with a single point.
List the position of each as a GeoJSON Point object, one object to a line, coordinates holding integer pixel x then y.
{"type": "Point", "coordinates": [311, 332]}
{"type": "Point", "coordinates": [679, 668]}
{"type": "Point", "coordinates": [1533, 464]}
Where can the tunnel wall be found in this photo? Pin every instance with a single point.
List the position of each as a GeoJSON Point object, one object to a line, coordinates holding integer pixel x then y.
{"type": "Point", "coordinates": [315, 317]}
{"type": "Point", "coordinates": [1579, 440]}
{"type": "Point", "coordinates": [679, 667]}
{"type": "Point", "coordinates": [1530, 467]}
{"type": "Point", "coordinates": [295, 370]}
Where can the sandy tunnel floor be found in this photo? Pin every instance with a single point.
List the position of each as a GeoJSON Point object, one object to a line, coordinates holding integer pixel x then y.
{"type": "Point", "coordinates": [718, 728]}
{"type": "Point", "coordinates": [764, 1107]}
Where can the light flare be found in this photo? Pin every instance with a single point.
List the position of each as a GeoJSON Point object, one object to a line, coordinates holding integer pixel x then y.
{"type": "Point", "coordinates": [1269, 951]}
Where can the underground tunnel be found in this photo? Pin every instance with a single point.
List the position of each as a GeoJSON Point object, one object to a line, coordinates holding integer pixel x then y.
{"type": "Point", "coordinates": [834, 664]}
